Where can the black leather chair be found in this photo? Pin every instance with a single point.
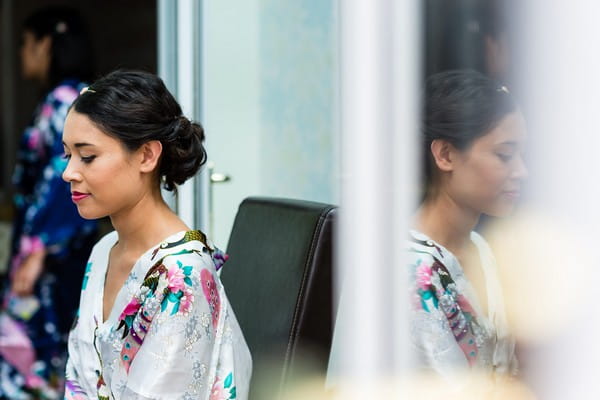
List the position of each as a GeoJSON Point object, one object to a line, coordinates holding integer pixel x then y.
{"type": "Point", "coordinates": [279, 282]}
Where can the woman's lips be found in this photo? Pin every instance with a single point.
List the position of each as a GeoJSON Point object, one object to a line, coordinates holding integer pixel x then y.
{"type": "Point", "coordinates": [78, 196]}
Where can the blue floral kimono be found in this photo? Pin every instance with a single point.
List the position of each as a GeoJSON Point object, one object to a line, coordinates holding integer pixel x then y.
{"type": "Point", "coordinates": [45, 217]}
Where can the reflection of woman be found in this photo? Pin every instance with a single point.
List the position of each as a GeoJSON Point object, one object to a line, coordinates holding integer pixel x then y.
{"type": "Point", "coordinates": [473, 138]}
{"type": "Point", "coordinates": [50, 240]}
{"type": "Point", "coordinates": [154, 321]}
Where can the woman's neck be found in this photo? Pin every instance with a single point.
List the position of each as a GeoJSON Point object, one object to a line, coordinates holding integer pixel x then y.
{"type": "Point", "coordinates": [145, 224]}
{"type": "Point", "coordinates": [446, 222]}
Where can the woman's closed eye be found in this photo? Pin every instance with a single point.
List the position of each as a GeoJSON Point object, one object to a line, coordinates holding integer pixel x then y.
{"type": "Point", "coordinates": [84, 159]}
{"type": "Point", "coordinates": [87, 159]}
{"type": "Point", "coordinates": [505, 157]}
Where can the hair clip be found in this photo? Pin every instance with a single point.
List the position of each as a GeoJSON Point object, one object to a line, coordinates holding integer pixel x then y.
{"type": "Point", "coordinates": [86, 89]}
{"type": "Point", "coordinates": [61, 27]}
{"type": "Point", "coordinates": [503, 89]}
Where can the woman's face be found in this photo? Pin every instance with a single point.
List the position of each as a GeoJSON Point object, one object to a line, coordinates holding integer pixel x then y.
{"type": "Point", "coordinates": [487, 176]}
{"type": "Point", "coordinates": [105, 177]}
{"type": "Point", "coordinates": [35, 56]}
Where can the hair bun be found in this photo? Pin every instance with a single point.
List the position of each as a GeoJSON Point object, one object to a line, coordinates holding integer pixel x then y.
{"type": "Point", "coordinates": [183, 152]}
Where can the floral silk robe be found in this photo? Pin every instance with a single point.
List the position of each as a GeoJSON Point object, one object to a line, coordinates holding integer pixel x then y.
{"type": "Point", "coordinates": [450, 331]}
{"type": "Point", "coordinates": [170, 335]}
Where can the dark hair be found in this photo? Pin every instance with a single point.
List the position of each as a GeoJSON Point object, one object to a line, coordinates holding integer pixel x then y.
{"type": "Point", "coordinates": [135, 107]}
{"type": "Point", "coordinates": [70, 54]}
{"type": "Point", "coordinates": [459, 107]}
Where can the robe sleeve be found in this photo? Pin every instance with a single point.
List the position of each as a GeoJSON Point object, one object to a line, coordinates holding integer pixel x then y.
{"type": "Point", "coordinates": [434, 345]}
{"type": "Point", "coordinates": [178, 357]}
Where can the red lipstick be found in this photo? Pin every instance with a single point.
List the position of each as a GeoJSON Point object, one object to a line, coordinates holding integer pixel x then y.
{"type": "Point", "coordinates": [513, 194]}
{"type": "Point", "coordinates": [78, 196]}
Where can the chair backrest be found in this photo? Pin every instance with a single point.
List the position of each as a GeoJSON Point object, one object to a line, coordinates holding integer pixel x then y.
{"type": "Point", "coordinates": [278, 281]}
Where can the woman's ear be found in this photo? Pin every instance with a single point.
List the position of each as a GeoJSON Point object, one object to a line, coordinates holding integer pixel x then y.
{"type": "Point", "coordinates": [443, 154]}
{"type": "Point", "coordinates": [150, 155]}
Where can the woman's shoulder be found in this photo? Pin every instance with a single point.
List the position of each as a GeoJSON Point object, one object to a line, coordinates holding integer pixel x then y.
{"type": "Point", "coordinates": [421, 246]}
{"type": "Point", "coordinates": [480, 242]}
{"type": "Point", "coordinates": [427, 258]}
{"type": "Point", "coordinates": [184, 270]}
{"type": "Point", "coordinates": [105, 243]}
{"type": "Point", "coordinates": [485, 251]}
{"type": "Point", "coordinates": [190, 249]}
{"type": "Point", "coordinates": [191, 264]}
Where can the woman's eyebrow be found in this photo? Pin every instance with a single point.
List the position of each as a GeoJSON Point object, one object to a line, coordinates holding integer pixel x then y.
{"type": "Point", "coordinates": [510, 143]}
{"type": "Point", "coordinates": [78, 145]}
{"type": "Point", "coordinates": [83, 144]}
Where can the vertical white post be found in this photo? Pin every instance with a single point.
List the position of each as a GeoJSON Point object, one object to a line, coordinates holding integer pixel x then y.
{"type": "Point", "coordinates": [379, 113]}
{"type": "Point", "coordinates": [560, 71]}
{"type": "Point", "coordinates": [167, 59]}
{"type": "Point", "coordinates": [203, 178]}
{"type": "Point", "coordinates": [167, 43]}
{"type": "Point", "coordinates": [180, 66]}
{"type": "Point", "coordinates": [185, 93]}
{"type": "Point", "coordinates": [405, 115]}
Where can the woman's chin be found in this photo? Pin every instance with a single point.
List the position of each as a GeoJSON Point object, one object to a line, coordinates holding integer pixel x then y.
{"type": "Point", "coordinates": [502, 210]}
{"type": "Point", "coordinates": [86, 213]}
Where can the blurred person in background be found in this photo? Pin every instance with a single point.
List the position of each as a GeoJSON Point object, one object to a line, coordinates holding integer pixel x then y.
{"type": "Point", "coordinates": [50, 241]}
{"type": "Point", "coordinates": [473, 136]}
{"type": "Point", "coordinates": [466, 34]}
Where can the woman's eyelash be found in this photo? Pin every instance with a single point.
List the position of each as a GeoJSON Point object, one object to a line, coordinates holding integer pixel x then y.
{"type": "Point", "coordinates": [88, 159]}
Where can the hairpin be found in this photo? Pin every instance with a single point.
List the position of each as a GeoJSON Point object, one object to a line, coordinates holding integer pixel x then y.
{"type": "Point", "coordinates": [61, 27]}
{"type": "Point", "coordinates": [86, 89]}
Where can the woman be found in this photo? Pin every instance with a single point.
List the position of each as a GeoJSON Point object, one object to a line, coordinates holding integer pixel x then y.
{"type": "Point", "coordinates": [50, 241]}
{"type": "Point", "coordinates": [473, 136]}
{"type": "Point", "coordinates": [154, 321]}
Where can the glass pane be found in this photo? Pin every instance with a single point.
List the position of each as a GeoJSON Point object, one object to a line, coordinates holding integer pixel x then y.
{"type": "Point", "coordinates": [269, 102]}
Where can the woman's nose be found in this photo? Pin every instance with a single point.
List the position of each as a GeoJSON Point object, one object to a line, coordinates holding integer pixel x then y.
{"type": "Point", "coordinates": [521, 171]}
{"type": "Point", "coordinates": [69, 174]}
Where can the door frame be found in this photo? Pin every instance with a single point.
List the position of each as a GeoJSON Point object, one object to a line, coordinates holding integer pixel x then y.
{"type": "Point", "coordinates": [180, 66]}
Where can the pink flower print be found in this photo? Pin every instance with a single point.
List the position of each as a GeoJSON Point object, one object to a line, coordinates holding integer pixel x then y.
{"type": "Point", "coordinates": [31, 244]}
{"type": "Point", "coordinates": [65, 94]}
{"type": "Point", "coordinates": [34, 381]}
{"type": "Point", "coordinates": [47, 110]}
{"type": "Point", "coordinates": [34, 139]}
{"type": "Point", "coordinates": [175, 278]}
{"type": "Point", "coordinates": [211, 293]}
{"type": "Point", "coordinates": [131, 308]}
{"type": "Point", "coordinates": [469, 348]}
{"type": "Point", "coordinates": [464, 304]}
{"type": "Point", "coordinates": [217, 392]}
{"type": "Point", "coordinates": [223, 390]}
{"type": "Point", "coordinates": [186, 301]}
{"type": "Point", "coordinates": [424, 274]}
{"type": "Point", "coordinates": [130, 348]}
